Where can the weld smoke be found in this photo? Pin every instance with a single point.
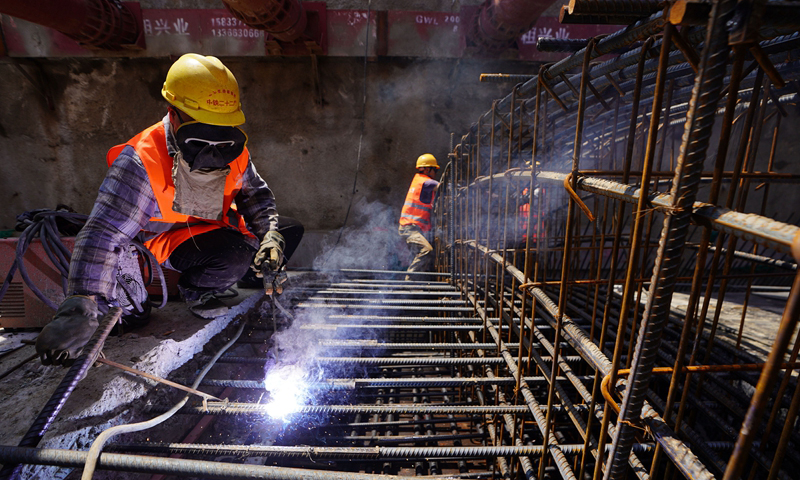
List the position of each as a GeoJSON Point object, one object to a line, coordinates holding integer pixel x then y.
{"type": "Point", "coordinates": [293, 374]}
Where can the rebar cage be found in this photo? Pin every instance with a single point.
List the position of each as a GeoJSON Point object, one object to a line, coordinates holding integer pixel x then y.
{"type": "Point", "coordinates": [578, 210]}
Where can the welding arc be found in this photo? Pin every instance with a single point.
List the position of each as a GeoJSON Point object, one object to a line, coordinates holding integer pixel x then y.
{"type": "Point", "coordinates": [355, 453]}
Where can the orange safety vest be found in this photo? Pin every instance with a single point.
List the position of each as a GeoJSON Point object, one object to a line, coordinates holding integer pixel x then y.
{"type": "Point", "coordinates": [174, 228]}
{"type": "Point", "coordinates": [415, 212]}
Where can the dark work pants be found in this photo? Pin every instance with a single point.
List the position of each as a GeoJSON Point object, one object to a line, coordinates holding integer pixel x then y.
{"type": "Point", "coordinates": [215, 260]}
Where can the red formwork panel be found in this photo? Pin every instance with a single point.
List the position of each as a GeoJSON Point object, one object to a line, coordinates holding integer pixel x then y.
{"type": "Point", "coordinates": [20, 307]}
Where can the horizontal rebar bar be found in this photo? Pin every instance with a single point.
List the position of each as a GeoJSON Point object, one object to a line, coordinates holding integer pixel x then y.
{"type": "Point", "coordinates": [351, 453]}
{"type": "Point", "coordinates": [394, 272]}
{"type": "Point", "coordinates": [411, 327]}
{"type": "Point", "coordinates": [504, 78]}
{"type": "Point", "coordinates": [352, 291]}
{"type": "Point", "coordinates": [385, 360]}
{"type": "Point", "coordinates": [376, 345]}
{"type": "Point", "coordinates": [383, 301]}
{"type": "Point", "coordinates": [233, 408]}
{"type": "Point", "coordinates": [397, 318]}
{"type": "Point", "coordinates": [387, 307]}
{"type": "Point", "coordinates": [175, 466]}
{"type": "Point", "coordinates": [353, 383]}
{"type": "Point", "coordinates": [748, 226]}
{"type": "Point", "coordinates": [398, 360]}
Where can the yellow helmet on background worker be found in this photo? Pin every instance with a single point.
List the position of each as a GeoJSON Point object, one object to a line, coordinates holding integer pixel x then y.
{"type": "Point", "coordinates": [204, 88]}
{"type": "Point", "coordinates": [427, 160]}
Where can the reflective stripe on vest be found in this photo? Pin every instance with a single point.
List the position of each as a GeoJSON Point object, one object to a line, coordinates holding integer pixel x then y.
{"type": "Point", "coordinates": [174, 228]}
{"type": "Point", "coordinates": [420, 206]}
{"type": "Point", "coordinates": [415, 211]}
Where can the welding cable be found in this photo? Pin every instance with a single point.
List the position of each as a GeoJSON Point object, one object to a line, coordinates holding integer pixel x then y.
{"type": "Point", "coordinates": [44, 225]}
{"type": "Point", "coordinates": [100, 441]}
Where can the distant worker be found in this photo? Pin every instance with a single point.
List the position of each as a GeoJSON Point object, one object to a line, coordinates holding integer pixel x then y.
{"type": "Point", "coordinates": [174, 186]}
{"type": "Point", "coordinates": [415, 218]}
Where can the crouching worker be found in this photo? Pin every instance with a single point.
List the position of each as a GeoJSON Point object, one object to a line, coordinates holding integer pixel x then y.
{"type": "Point", "coordinates": [174, 186]}
{"type": "Point", "coordinates": [415, 218]}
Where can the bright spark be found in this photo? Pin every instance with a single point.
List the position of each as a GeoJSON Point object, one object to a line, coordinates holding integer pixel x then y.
{"type": "Point", "coordinates": [288, 390]}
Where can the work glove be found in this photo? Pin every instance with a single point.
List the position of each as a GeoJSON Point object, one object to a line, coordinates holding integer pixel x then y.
{"type": "Point", "coordinates": [270, 253]}
{"type": "Point", "coordinates": [61, 341]}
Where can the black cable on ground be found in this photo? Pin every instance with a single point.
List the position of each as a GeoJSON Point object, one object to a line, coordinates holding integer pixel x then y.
{"type": "Point", "coordinates": [48, 226]}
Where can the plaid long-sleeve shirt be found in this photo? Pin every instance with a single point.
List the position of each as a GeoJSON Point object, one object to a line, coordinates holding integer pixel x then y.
{"type": "Point", "coordinates": [124, 205]}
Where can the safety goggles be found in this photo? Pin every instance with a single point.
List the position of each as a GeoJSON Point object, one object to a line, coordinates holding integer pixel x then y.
{"type": "Point", "coordinates": [209, 146]}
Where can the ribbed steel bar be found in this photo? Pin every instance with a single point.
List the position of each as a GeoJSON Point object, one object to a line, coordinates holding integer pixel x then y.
{"type": "Point", "coordinates": [410, 327]}
{"type": "Point", "coordinates": [678, 451]}
{"type": "Point", "coordinates": [767, 380]}
{"type": "Point", "coordinates": [353, 383]}
{"type": "Point", "coordinates": [234, 408]}
{"type": "Point", "coordinates": [400, 319]}
{"type": "Point", "coordinates": [353, 453]}
{"type": "Point", "coordinates": [390, 360]}
{"type": "Point", "coordinates": [382, 301]}
{"type": "Point", "coordinates": [385, 307]}
{"type": "Point", "coordinates": [747, 226]}
{"type": "Point", "coordinates": [176, 466]}
{"type": "Point", "coordinates": [376, 345]}
{"type": "Point", "coordinates": [75, 374]}
{"type": "Point", "coordinates": [697, 133]}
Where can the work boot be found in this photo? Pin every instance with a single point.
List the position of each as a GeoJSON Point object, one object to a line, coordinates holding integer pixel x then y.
{"type": "Point", "coordinates": [208, 306]}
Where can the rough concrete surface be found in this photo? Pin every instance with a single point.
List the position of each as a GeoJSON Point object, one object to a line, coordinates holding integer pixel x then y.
{"type": "Point", "coordinates": [763, 316]}
{"type": "Point", "coordinates": [107, 396]}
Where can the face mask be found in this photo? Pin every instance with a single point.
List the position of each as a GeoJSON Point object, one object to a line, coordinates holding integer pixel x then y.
{"type": "Point", "coordinates": [207, 146]}
{"type": "Point", "coordinates": [199, 193]}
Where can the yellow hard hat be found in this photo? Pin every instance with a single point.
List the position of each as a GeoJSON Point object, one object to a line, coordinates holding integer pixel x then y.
{"type": "Point", "coordinates": [204, 88]}
{"type": "Point", "coordinates": [427, 160]}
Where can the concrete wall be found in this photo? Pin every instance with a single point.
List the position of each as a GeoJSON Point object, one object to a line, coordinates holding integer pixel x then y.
{"type": "Point", "coordinates": [308, 152]}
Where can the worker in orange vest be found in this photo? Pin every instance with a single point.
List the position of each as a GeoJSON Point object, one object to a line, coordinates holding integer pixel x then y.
{"type": "Point", "coordinates": [186, 187]}
{"type": "Point", "coordinates": [415, 218]}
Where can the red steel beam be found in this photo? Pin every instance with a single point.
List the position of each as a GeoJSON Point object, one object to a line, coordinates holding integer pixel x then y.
{"type": "Point", "coordinates": [106, 24]}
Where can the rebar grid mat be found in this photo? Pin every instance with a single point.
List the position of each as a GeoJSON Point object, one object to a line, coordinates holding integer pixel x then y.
{"type": "Point", "coordinates": [373, 401]}
{"type": "Point", "coordinates": [479, 409]}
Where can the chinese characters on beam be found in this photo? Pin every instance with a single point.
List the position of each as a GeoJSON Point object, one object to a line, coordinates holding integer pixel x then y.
{"type": "Point", "coordinates": [535, 33]}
